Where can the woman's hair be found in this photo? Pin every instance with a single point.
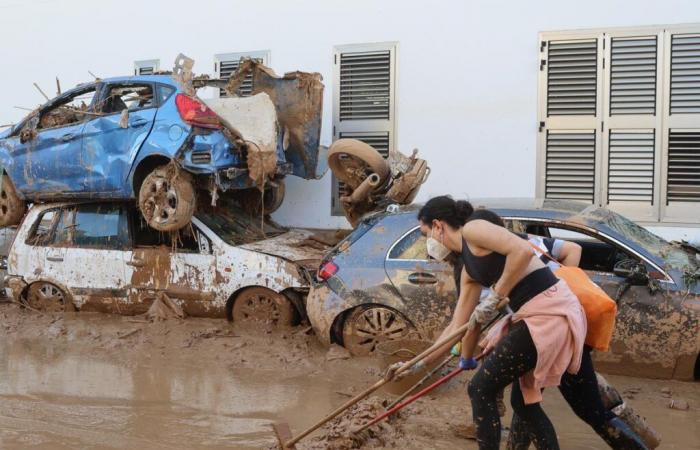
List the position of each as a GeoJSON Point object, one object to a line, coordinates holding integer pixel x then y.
{"type": "Point", "coordinates": [445, 208]}
{"type": "Point", "coordinates": [487, 215]}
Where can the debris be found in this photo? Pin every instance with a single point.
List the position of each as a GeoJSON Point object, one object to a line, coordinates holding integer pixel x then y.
{"type": "Point", "coordinates": [679, 404]}
{"type": "Point", "coordinates": [337, 352]}
{"type": "Point", "coordinates": [666, 392]}
{"type": "Point", "coordinates": [58, 87]}
{"type": "Point", "coordinates": [163, 308]}
{"type": "Point", "coordinates": [182, 72]}
{"type": "Point", "coordinates": [467, 431]}
{"type": "Point", "coordinates": [56, 329]}
{"type": "Point", "coordinates": [124, 119]}
{"type": "Point", "coordinates": [42, 92]}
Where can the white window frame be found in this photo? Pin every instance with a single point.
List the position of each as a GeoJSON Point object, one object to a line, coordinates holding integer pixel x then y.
{"type": "Point", "coordinates": [676, 213]}
{"type": "Point", "coordinates": [366, 125]}
{"type": "Point", "coordinates": [263, 55]}
{"type": "Point", "coordinates": [138, 65]}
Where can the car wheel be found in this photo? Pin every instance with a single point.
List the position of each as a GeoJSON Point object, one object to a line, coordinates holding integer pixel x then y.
{"type": "Point", "coordinates": [12, 208]}
{"type": "Point", "coordinates": [272, 199]}
{"type": "Point", "coordinates": [43, 296]}
{"type": "Point", "coordinates": [366, 327]}
{"type": "Point", "coordinates": [259, 305]}
{"type": "Point", "coordinates": [167, 198]}
{"type": "Point", "coordinates": [351, 161]}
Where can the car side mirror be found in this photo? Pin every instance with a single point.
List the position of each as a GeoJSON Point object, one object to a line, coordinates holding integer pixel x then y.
{"type": "Point", "coordinates": [635, 274]}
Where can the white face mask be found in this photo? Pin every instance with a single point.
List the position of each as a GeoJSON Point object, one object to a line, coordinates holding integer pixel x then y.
{"type": "Point", "coordinates": [436, 249]}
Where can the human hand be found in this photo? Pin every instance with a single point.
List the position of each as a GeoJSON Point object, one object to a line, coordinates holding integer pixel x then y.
{"type": "Point", "coordinates": [396, 371]}
{"type": "Point", "coordinates": [486, 310]}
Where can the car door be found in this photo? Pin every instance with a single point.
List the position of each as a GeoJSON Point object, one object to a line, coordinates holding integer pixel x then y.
{"type": "Point", "coordinates": [46, 158]}
{"type": "Point", "coordinates": [112, 139]}
{"type": "Point", "coordinates": [91, 245]}
{"type": "Point", "coordinates": [426, 286]}
{"type": "Point", "coordinates": [185, 269]}
{"type": "Point", "coordinates": [646, 337]}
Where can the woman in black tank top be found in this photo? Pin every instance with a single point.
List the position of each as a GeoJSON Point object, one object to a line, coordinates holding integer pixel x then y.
{"type": "Point", "coordinates": [499, 260]}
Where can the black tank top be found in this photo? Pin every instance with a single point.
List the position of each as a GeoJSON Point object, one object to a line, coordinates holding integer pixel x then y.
{"type": "Point", "coordinates": [486, 270]}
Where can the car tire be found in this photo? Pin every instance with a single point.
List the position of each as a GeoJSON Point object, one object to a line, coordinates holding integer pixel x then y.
{"type": "Point", "coordinates": [272, 199]}
{"type": "Point", "coordinates": [365, 327]}
{"type": "Point", "coordinates": [259, 305]}
{"type": "Point", "coordinates": [12, 208]}
{"type": "Point", "coordinates": [351, 161]}
{"type": "Point", "coordinates": [167, 198]}
{"type": "Point", "coordinates": [47, 297]}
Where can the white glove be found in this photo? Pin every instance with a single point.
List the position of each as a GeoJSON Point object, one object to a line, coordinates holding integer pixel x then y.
{"type": "Point", "coordinates": [486, 310]}
{"type": "Point", "coordinates": [391, 371]}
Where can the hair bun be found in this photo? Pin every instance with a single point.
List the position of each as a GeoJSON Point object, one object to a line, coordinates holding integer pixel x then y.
{"type": "Point", "coordinates": [463, 209]}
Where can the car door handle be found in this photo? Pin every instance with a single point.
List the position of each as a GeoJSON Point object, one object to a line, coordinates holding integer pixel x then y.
{"type": "Point", "coordinates": [135, 263]}
{"type": "Point", "coordinates": [55, 258]}
{"type": "Point", "coordinates": [422, 278]}
{"type": "Point", "coordinates": [138, 122]}
{"type": "Point", "coordinates": [68, 137]}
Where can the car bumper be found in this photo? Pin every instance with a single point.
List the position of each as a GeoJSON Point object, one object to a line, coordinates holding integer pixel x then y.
{"type": "Point", "coordinates": [14, 286]}
{"type": "Point", "coordinates": [323, 306]}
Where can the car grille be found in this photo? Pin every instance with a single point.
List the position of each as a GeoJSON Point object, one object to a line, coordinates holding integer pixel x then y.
{"type": "Point", "coordinates": [201, 157]}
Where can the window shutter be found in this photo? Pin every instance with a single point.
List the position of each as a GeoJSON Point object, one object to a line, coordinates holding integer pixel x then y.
{"type": "Point", "coordinates": [146, 67]}
{"type": "Point", "coordinates": [631, 166]}
{"type": "Point", "coordinates": [633, 76]}
{"type": "Point", "coordinates": [683, 179]}
{"type": "Point", "coordinates": [685, 74]}
{"type": "Point", "coordinates": [572, 74]}
{"type": "Point", "coordinates": [363, 99]}
{"type": "Point", "coordinates": [570, 165]}
{"type": "Point", "coordinates": [226, 64]}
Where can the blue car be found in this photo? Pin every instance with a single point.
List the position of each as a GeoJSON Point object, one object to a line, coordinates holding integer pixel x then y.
{"type": "Point", "coordinates": [144, 138]}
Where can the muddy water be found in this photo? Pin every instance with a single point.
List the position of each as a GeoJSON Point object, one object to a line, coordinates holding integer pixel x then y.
{"type": "Point", "coordinates": [84, 382]}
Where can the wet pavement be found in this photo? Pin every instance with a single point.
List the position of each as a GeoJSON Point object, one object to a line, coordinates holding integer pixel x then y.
{"type": "Point", "coordinates": [56, 393]}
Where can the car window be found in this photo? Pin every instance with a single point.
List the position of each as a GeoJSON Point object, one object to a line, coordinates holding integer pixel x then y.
{"type": "Point", "coordinates": [411, 246]}
{"type": "Point", "coordinates": [127, 96]}
{"type": "Point", "coordinates": [98, 226]}
{"type": "Point", "coordinates": [164, 92]}
{"type": "Point", "coordinates": [72, 110]}
{"type": "Point", "coordinates": [188, 239]}
{"type": "Point", "coordinates": [43, 227]}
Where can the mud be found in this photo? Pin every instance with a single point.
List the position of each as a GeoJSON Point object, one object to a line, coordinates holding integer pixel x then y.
{"type": "Point", "coordinates": [89, 380]}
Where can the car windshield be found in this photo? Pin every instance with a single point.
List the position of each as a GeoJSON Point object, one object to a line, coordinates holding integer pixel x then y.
{"type": "Point", "coordinates": [673, 254]}
{"type": "Point", "coordinates": [236, 227]}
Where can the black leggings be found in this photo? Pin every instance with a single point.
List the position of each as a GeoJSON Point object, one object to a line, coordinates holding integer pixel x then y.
{"type": "Point", "coordinates": [514, 355]}
{"type": "Point", "coordinates": [580, 391]}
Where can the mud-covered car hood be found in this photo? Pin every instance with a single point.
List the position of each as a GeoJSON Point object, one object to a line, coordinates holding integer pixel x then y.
{"type": "Point", "coordinates": [296, 245]}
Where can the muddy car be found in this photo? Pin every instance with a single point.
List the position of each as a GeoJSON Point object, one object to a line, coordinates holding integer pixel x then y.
{"type": "Point", "coordinates": [379, 284]}
{"type": "Point", "coordinates": [150, 138]}
{"type": "Point", "coordinates": [103, 257]}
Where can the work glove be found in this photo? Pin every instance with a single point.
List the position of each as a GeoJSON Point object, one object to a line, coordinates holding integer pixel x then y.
{"type": "Point", "coordinates": [456, 349]}
{"type": "Point", "coordinates": [467, 363]}
{"type": "Point", "coordinates": [486, 310]}
{"type": "Point", "coordinates": [391, 374]}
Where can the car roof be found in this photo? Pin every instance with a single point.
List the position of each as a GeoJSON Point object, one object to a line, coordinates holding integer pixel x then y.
{"type": "Point", "coordinates": [164, 78]}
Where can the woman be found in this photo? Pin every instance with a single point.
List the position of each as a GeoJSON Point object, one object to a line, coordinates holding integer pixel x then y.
{"type": "Point", "coordinates": [540, 344]}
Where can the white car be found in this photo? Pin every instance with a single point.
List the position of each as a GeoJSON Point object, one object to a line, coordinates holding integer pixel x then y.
{"type": "Point", "coordinates": [104, 257]}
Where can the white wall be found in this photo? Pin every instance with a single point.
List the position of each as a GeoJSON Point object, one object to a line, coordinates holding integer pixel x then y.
{"type": "Point", "coordinates": [467, 79]}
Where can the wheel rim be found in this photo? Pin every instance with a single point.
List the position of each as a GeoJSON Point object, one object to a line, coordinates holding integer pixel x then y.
{"type": "Point", "coordinates": [261, 306]}
{"type": "Point", "coordinates": [46, 297]}
{"type": "Point", "coordinates": [364, 330]}
{"type": "Point", "coordinates": [162, 201]}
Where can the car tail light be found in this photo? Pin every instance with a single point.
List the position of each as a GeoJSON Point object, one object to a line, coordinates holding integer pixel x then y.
{"type": "Point", "coordinates": [327, 270]}
{"type": "Point", "coordinates": [196, 113]}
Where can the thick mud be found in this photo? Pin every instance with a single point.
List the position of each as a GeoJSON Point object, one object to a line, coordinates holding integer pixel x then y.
{"type": "Point", "coordinates": [88, 380]}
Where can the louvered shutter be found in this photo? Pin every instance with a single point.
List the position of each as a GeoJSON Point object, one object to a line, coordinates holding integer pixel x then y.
{"type": "Point", "coordinates": [146, 67]}
{"type": "Point", "coordinates": [633, 76]}
{"type": "Point", "coordinates": [226, 64]}
{"type": "Point", "coordinates": [363, 99]}
{"type": "Point", "coordinates": [631, 166]}
{"type": "Point", "coordinates": [569, 110]}
{"type": "Point", "coordinates": [685, 74]}
{"type": "Point", "coordinates": [683, 179]}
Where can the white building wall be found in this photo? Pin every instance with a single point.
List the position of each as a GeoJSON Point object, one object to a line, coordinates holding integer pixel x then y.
{"type": "Point", "coordinates": [467, 76]}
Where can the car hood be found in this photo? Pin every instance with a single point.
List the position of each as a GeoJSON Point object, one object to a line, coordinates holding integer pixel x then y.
{"type": "Point", "coordinates": [300, 246]}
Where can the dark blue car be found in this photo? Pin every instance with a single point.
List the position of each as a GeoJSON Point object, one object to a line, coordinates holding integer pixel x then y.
{"type": "Point", "coordinates": [143, 138]}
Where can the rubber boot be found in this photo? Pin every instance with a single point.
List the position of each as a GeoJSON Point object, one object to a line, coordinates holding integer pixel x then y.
{"type": "Point", "coordinates": [619, 436]}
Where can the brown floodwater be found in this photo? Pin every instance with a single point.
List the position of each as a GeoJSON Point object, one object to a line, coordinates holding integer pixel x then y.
{"type": "Point", "coordinates": [55, 394]}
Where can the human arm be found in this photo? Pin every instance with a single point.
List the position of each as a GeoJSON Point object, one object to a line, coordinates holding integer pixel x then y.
{"type": "Point", "coordinates": [567, 253]}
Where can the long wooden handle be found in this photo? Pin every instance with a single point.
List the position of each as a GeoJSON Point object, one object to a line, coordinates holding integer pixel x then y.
{"type": "Point", "coordinates": [430, 350]}
{"type": "Point", "coordinates": [421, 381]}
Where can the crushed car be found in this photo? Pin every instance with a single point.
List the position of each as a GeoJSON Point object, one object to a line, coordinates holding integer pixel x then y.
{"type": "Point", "coordinates": [379, 284]}
{"type": "Point", "coordinates": [152, 139]}
{"type": "Point", "coordinates": [103, 257]}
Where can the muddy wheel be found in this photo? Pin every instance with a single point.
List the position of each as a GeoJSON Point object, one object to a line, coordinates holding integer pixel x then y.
{"type": "Point", "coordinates": [48, 297]}
{"type": "Point", "coordinates": [366, 327]}
{"type": "Point", "coordinates": [167, 198]}
{"type": "Point", "coordinates": [351, 161]}
{"type": "Point", "coordinates": [272, 199]}
{"type": "Point", "coordinates": [262, 305]}
{"type": "Point", "coordinates": [12, 207]}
